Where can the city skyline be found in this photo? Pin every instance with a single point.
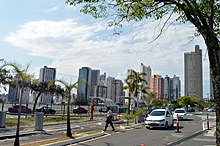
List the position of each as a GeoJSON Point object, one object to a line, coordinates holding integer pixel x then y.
{"type": "Point", "coordinates": [58, 36]}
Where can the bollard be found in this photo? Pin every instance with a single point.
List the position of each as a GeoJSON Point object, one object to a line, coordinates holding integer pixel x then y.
{"type": "Point", "coordinates": [2, 119]}
{"type": "Point", "coordinates": [39, 121]}
{"type": "Point", "coordinates": [208, 122]}
{"type": "Point", "coordinates": [177, 125]}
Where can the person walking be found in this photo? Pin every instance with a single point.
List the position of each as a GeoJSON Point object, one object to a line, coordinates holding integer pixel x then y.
{"type": "Point", "coordinates": [109, 116]}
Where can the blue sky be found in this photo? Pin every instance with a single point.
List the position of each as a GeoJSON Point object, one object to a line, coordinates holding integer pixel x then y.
{"type": "Point", "coordinates": [51, 33]}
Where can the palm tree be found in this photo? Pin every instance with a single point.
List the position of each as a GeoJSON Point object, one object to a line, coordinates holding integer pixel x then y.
{"type": "Point", "coordinates": [67, 94]}
{"type": "Point", "coordinates": [39, 87]}
{"type": "Point", "coordinates": [23, 77]}
{"type": "Point", "coordinates": [135, 84]}
{"type": "Point", "coordinates": [5, 78]}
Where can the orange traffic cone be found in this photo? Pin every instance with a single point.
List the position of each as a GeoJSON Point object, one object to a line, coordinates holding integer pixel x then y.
{"type": "Point", "coordinates": [119, 118]}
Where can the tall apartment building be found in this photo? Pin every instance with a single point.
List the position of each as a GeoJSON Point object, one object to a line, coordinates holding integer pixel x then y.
{"type": "Point", "coordinates": [193, 84]}
{"type": "Point", "coordinates": [157, 86]}
{"type": "Point", "coordinates": [172, 88]}
{"type": "Point", "coordinates": [47, 74]}
{"type": "Point", "coordinates": [103, 79]}
{"type": "Point", "coordinates": [84, 83]}
{"type": "Point", "coordinates": [101, 91]}
{"type": "Point", "coordinates": [167, 87]}
{"type": "Point", "coordinates": [175, 86]}
{"type": "Point", "coordinates": [95, 80]}
{"type": "Point", "coordinates": [109, 86]}
{"type": "Point", "coordinates": [14, 94]}
{"type": "Point", "coordinates": [114, 89]}
{"type": "Point", "coordinates": [146, 70]}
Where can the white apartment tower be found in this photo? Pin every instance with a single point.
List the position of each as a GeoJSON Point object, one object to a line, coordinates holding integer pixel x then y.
{"type": "Point", "coordinates": [47, 74]}
{"type": "Point", "coordinates": [146, 71]}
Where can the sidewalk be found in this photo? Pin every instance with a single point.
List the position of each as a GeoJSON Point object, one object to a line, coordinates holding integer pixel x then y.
{"type": "Point", "coordinates": [10, 132]}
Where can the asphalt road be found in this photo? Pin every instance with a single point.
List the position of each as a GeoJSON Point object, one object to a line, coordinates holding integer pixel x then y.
{"type": "Point", "coordinates": [130, 137]}
{"type": "Point", "coordinates": [154, 137]}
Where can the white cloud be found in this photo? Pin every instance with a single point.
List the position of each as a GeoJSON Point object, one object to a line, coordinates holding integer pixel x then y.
{"type": "Point", "coordinates": [51, 9]}
{"type": "Point", "coordinates": [72, 45]}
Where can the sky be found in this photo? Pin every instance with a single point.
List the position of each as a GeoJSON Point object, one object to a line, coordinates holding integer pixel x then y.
{"type": "Point", "coordinates": [54, 34]}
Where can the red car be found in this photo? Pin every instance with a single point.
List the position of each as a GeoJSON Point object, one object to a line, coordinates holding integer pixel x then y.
{"type": "Point", "coordinates": [80, 110]}
{"type": "Point", "coordinates": [24, 109]}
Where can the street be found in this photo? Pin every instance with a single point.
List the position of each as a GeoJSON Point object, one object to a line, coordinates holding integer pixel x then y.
{"type": "Point", "coordinates": [130, 136]}
{"type": "Point", "coordinates": [156, 137]}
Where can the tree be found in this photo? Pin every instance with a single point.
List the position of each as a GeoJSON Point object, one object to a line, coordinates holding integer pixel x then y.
{"type": "Point", "coordinates": [134, 83]}
{"type": "Point", "coordinates": [67, 94]}
{"type": "Point", "coordinates": [203, 14]}
{"type": "Point", "coordinates": [23, 78]}
{"type": "Point", "coordinates": [186, 101]}
{"type": "Point", "coordinates": [151, 97]}
{"type": "Point", "coordinates": [5, 78]}
{"type": "Point", "coordinates": [39, 87]}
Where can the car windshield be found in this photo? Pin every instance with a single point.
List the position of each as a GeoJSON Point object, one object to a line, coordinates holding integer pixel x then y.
{"type": "Point", "coordinates": [179, 111]}
{"type": "Point", "coordinates": [157, 113]}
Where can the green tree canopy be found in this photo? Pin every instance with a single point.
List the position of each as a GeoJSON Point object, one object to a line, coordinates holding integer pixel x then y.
{"type": "Point", "coordinates": [186, 100]}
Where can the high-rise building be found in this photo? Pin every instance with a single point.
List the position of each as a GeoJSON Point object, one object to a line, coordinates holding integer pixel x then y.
{"type": "Point", "coordinates": [175, 87]}
{"type": "Point", "coordinates": [95, 79]}
{"type": "Point", "coordinates": [101, 91]}
{"type": "Point", "coordinates": [84, 83]}
{"type": "Point", "coordinates": [157, 86]}
{"type": "Point", "coordinates": [146, 72]}
{"type": "Point", "coordinates": [114, 89]}
{"type": "Point", "coordinates": [47, 74]}
{"type": "Point", "coordinates": [109, 86]}
{"type": "Point", "coordinates": [103, 79]}
{"type": "Point", "coordinates": [167, 88]}
{"type": "Point", "coordinates": [193, 82]}
{"type": "Point", "coordinates": [117, 90]}
{"type": "Point", "coordinates": [14, 94]}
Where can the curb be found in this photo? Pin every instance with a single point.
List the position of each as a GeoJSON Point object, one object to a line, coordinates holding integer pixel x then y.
{"type": "Point", "coordinates": [180, 140]}
{"type": "Point", "coordinates": [78, 140]}
{"type": "Point", "coordinates": [13, 135]}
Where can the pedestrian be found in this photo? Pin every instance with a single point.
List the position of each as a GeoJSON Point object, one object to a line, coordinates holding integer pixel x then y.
{"type": "Point", "coordinates": [109, 117]}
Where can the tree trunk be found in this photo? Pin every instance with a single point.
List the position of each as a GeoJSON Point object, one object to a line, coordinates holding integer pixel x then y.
{"type": "Point", "coordinates": [17, 142]}
{"type": "Point", "coordinates": [35, 102]}
{"type": "Point", "coordinates": [213, 47]}
{"type": "Point", "coordinates": [68, 132]}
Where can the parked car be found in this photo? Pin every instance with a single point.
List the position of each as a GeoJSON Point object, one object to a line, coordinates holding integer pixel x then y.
{"type": "Point", "coordinates": [103, 109]}
{"type": "Point", "coordinates": [190, 109]}
{"type": "Point", "coordinates": [159, 118]}
{"type": "Point", "coordinates": [180, 113]}
{"type": "Point", "coordinates": [122, 109]}
{"type": "Point", "coordinates": [15, 108]}
{"type": "Point", "coordinates": [211, 109]}
{"type": "Point", "coordinates": [80, 110]}
{"type": "Point", "coordinates": [46, 110]}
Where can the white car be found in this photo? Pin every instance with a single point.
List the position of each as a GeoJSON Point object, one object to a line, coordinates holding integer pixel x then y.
{"type": "Point", "coordinates": [179, 113]}
{"type": "Point", "coordinates": [159, 118]}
